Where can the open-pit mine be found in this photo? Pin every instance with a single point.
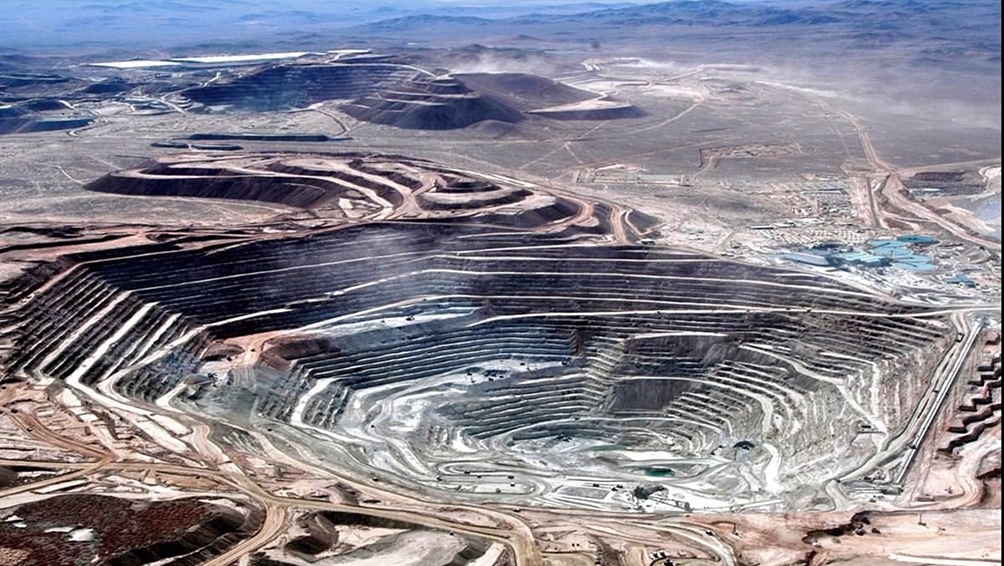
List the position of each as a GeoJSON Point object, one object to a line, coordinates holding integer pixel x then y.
{"type": "Point", "coordinates": [482, 339]}
{"type": "Point", "coordinates": [476, 335]}
{"type": "Point", "coordinates": [471, 306]}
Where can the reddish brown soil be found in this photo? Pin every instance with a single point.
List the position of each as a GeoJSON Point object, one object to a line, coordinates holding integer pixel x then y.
{"type": "Point", "coordinates": [124, 530]}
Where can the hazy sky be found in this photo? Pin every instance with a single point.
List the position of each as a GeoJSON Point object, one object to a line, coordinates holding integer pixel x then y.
{"type": "Point", "coordinates": [143, 24]}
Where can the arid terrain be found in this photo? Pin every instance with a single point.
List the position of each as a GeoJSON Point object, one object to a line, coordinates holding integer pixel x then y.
{"type": "Point", "coordinates": [501, 294]}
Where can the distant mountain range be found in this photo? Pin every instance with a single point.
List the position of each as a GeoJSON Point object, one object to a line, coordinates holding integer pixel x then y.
{"type": "Point", "coordinates": [953, 30]}
{"type": "Point", "coordinates": [721, 13]}
{"type": "Point", "coordinates": [695, 12]}
{"type": "Point", "coordinates": [956, 29]}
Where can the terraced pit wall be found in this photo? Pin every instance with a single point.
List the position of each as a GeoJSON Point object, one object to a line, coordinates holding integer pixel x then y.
{"type": "Point", "coordinates": [429, 343]}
